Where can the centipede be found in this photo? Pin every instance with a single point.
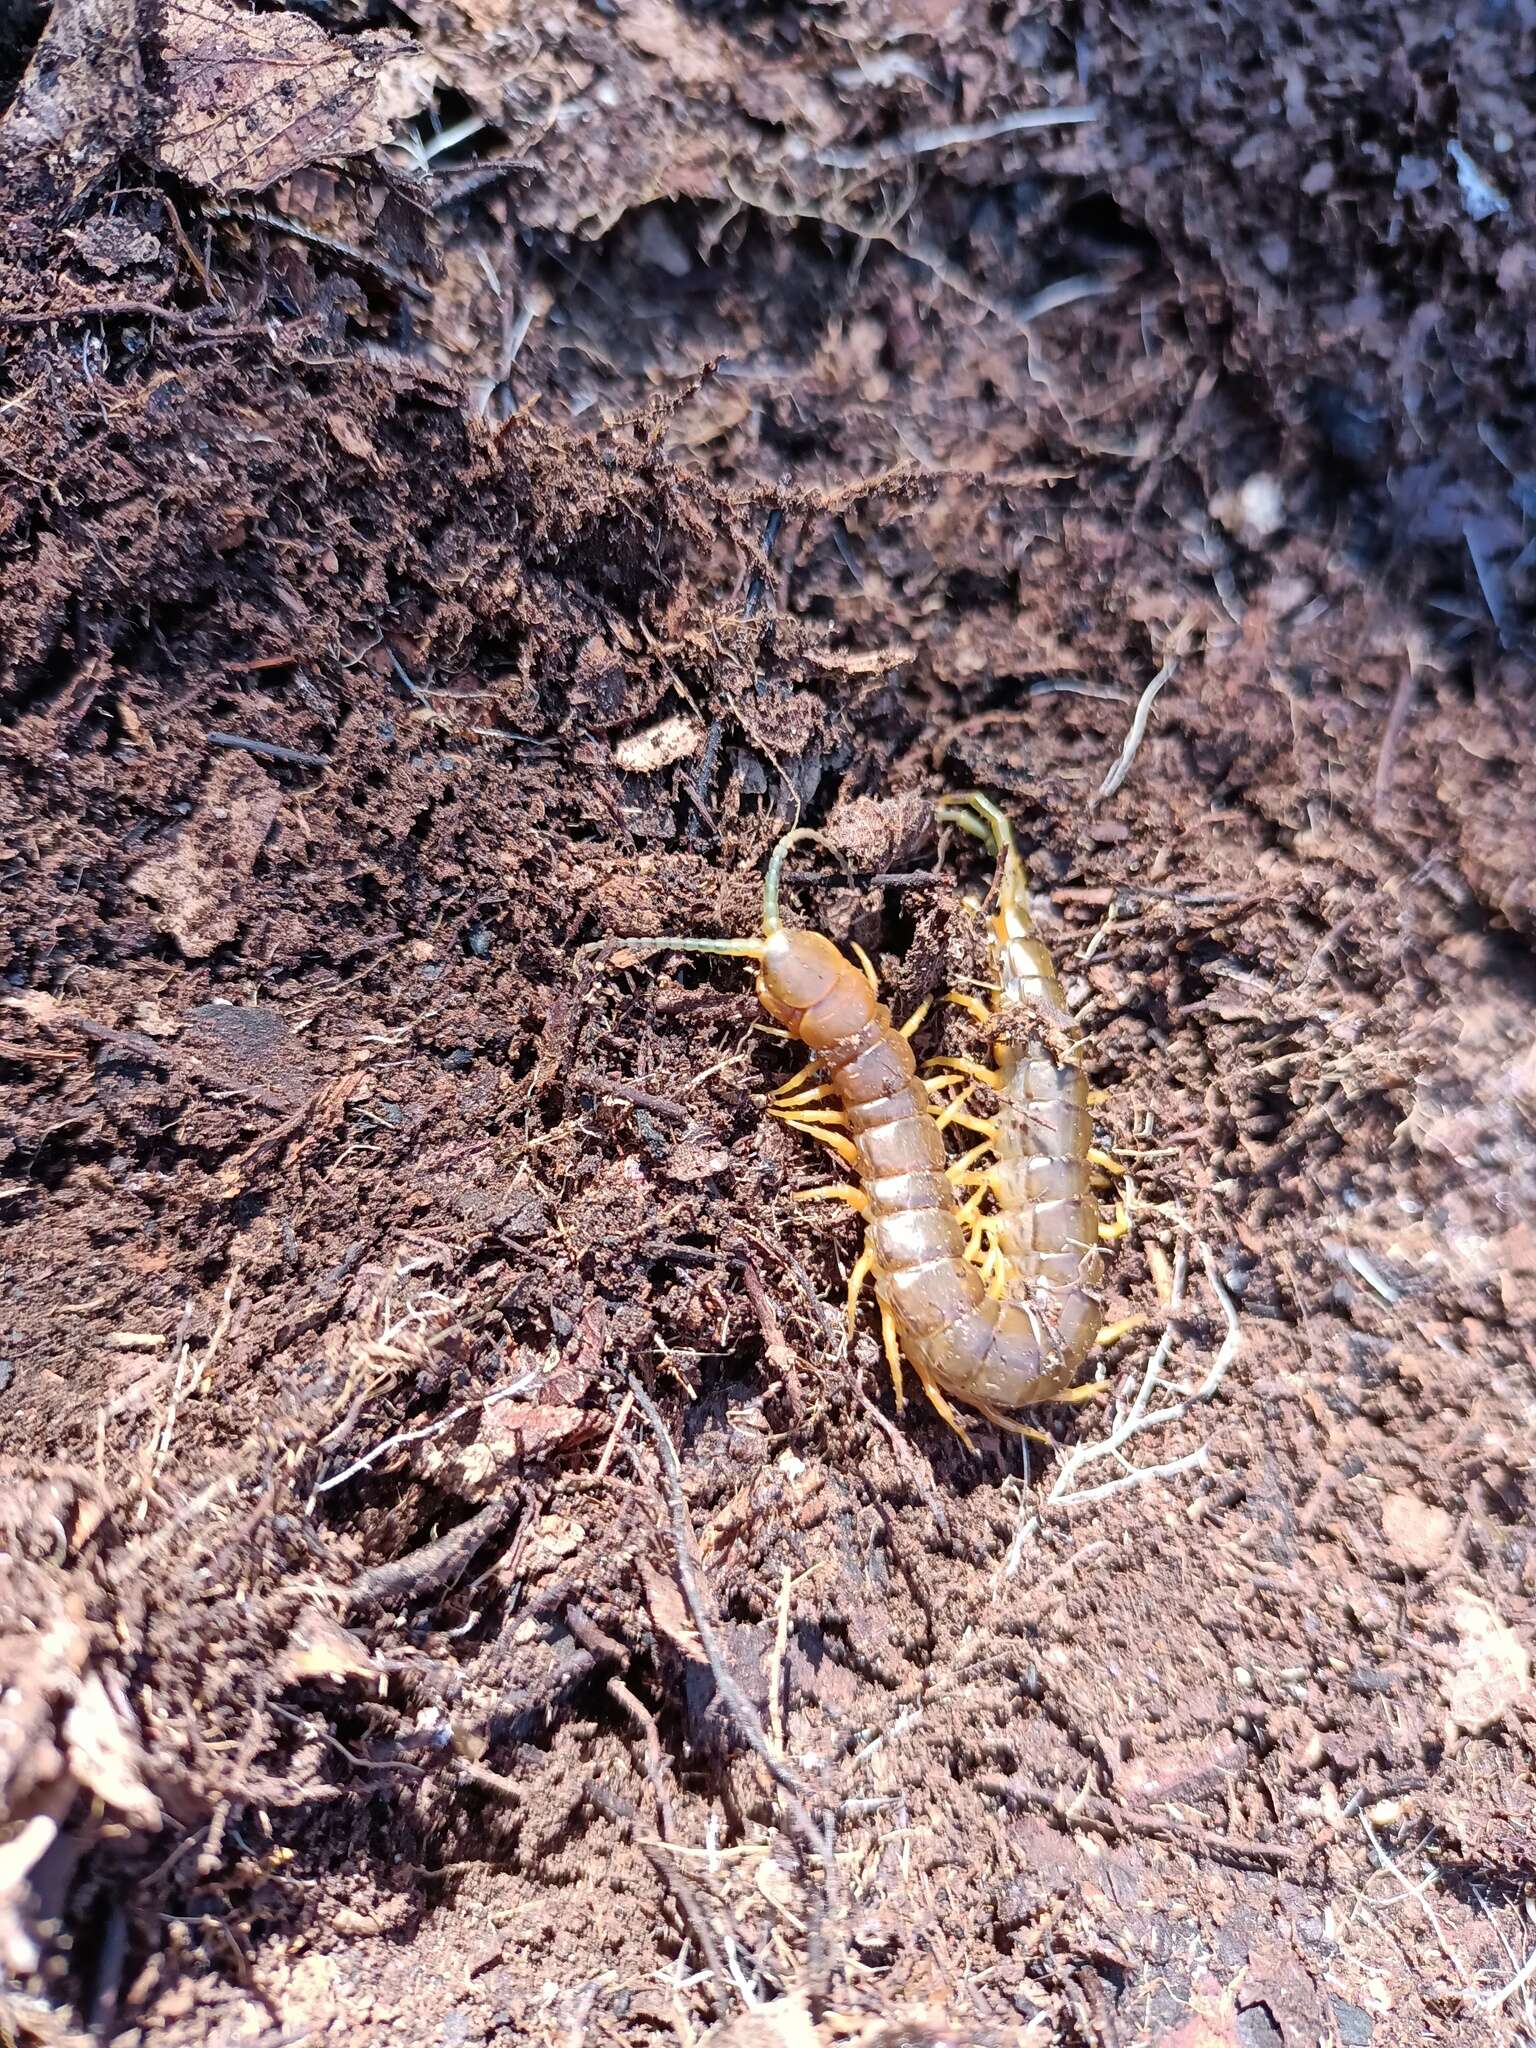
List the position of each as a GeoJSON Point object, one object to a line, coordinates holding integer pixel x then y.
{"type": "Point", "coordinates": [985, 1268]}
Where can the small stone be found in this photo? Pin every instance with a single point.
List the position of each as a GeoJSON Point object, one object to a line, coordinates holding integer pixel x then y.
{"type": "Point", "coordinates": [1254, 512]}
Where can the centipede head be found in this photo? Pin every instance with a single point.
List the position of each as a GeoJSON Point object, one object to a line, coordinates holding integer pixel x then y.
{"type": "Point", "coordinates": [796, 970]}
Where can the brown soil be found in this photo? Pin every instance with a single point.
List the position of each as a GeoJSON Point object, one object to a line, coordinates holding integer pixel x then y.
{"type": "Point", "coordinates": [393, 609]}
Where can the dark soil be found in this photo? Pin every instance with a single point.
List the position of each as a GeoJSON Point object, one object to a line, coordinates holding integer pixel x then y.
{"type": "Point", "coordinates": [392, 612]}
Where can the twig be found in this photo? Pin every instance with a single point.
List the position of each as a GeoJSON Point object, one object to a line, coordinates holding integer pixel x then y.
{"type": "Point", "coordinates": [879, 878]}
{"type": "Point", "coordinates": [1141, 1416]}
{"type": "Point", "coordinates": [758, 581]}
{"type": "Point", "coordinates": [1139, 1475]}
{"type": "Point", "coordinates": [269, 750]}
{"type": "Point", "coordinates": [639, 1098]}
{"type": "Point", "coordinates": [115, 309]}
{"type": "Point", "coordinates": [778, 1356]}
{"type": "Point", "coordinates": [924, 141]}
{"type": "Point", "coordinates": [1416, 1892]}
{"type": "Point", "coordinates": [309, 1725]}
{"type": "Point", "coordinates": [776, 1667]}
{"type": "Point", "coordinates": [782, 206]}
{"type": "Point", "coordinates": [655, 1768]}
{"type": "Point", "coordinates": [815, 1843]}
{"type": "Point", "coordinates": [434, 1567]}
{"type": "Point", "coordinates": [1109, 1820]}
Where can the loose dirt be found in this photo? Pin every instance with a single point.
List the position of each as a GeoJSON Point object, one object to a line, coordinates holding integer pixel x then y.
{"type": "Point", "coordinates": [459, 1581]}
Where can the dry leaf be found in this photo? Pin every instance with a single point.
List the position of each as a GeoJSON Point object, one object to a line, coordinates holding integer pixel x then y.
{"type": "Point", "coordinates": [348, 435]}
{"type": "Point", "coordinates": [669, 1616]}
{"type": "Point", "coordinates": [255, 97]}
{"type": "Point", "coordinates": [319, 1647]}
{"type": "Point", "coordinates": [1490, 1667]}
{"type": "Point", "coordinates": [786, 2023]}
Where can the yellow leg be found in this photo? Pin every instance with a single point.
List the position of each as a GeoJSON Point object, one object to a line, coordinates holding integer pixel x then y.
{"type": "Point", "coordinates": [1106, 1162]}
{"type": "Point", "coordinates": [1001, 1421]}
{"type": "Point", "coordinates": [994, 1273]}
{"type": "Point", "coordinates": [835, 1191]}
{"type": "Point", "coordinates": [953, 1111]}
{"type": "Point", "coordinates": [833, 1140]}
{"type": "Point", "coordinates": [1076, 1397]}
{"type": "Point", "coordinates": [979, 1125]}
{"type": "Point", "coordinates": [972, 1005]}
{"type": "Point", "coordinates": [1113, 1332]}
{"type": "Point", "coordinates": [804, 1096]}
{"type": "Point", "coordinates": [833, 1117]}
{"type": "Point", "coordinates": [988, 1076]}
{"type": "Point", "coordinates": [937, 1083]}
{"type": "Point", "coordinates": [937, 1400]}
{"type": "Point", "coordinates": [863, 1266]}
{"type": "Point", "coordinates": [959, 1170]}
{"type": "Point", "coordinates": [1111, 1233]}
{"type": "Point", "coordinates": [917, 1017]}
{"type": "Point", "coordinates": [868, 966]}
{"type": "Point", "coordinates": [892, 1343]}
{"type": "Point", "coordinates": [798, 1078]}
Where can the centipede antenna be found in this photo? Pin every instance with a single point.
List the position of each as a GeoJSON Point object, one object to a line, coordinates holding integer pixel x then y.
{"type": "Point", "coordinates": [734, 949]}
{"type": "Point", "coordinates": [775, 871]}
{"type": "Point", "coordinates": [978, 815]}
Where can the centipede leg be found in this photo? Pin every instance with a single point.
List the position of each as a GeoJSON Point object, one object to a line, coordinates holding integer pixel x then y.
{"type": "Point", "coordinates": [1009, 1423]}
{"type": "Point", "coordinates": [941, 1405]}
{"type": "Point", "coordinates": [917, 1017]}
{"type": "Point", "coordinates": [988, 1076]}
{"type": "Point", "coordinates": [953, 1112]}
{"type": "Point", "coordinates": [1113, 1332]}
{"type": "Point", "coordinates": [980, 1125]}
{"type": "Point", "coordinates": [890, 1338]}
{"type": "Point", "coordinates": [835, 1191]}
{"type": "Point", "coordinates": [863, 1266]}
{"type": "Point", "coordinates": [972, 1005]}
{"type": "Point", "coordinates": [797, 1079]}
{"type": "Point", "coordinates": [961, 1170]}
{"type": "Point", "coordinates": [834, 1141]}
{"type": "Point", "coordinates": [1111, 1233]}
{"type": "Point", "coordinates": [802, 1099]}
{"type": "Point", "coordinates": [867, 965]}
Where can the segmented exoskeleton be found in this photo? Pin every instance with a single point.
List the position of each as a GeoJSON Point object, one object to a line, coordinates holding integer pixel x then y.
{"type": "Point", "coordinates": [1000, 1334]}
